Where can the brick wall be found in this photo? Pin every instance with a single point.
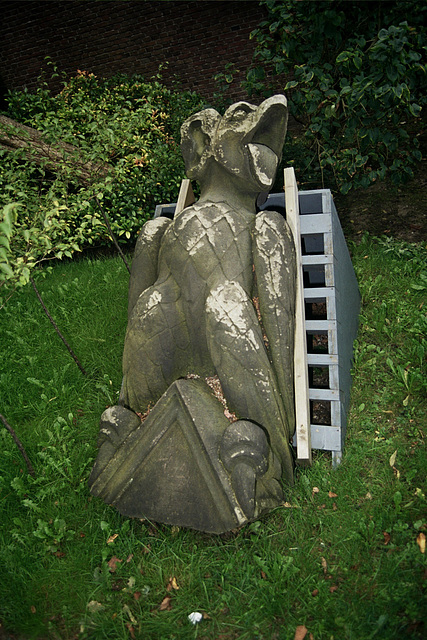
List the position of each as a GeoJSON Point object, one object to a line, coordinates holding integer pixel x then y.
{"type": "Point", "coordinates": [196, 38]}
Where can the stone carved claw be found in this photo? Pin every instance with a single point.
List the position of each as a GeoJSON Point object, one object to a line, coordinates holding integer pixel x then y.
{"type": "Point", "coordinates": [192, 315]}
{"type": "Point", "coordinates": [244, 452]}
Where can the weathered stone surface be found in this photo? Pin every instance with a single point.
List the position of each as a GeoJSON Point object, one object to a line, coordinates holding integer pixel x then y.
{"type": "Point", "coordinates": [168, 468]}
{"type": "Point", "coordinates": [191, 311]}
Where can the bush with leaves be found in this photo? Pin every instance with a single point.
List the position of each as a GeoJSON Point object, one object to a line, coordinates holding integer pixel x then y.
{"type": "Point", "coordinates": [125, 122]}
{"type": "Point", "coordinates": [356, 78]}
{"type": "Point", "coordinates": [27, 240]}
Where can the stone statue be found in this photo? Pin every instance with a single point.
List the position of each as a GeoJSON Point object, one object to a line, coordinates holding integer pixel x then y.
{"type": "Point", "coordinates": [211, 304]}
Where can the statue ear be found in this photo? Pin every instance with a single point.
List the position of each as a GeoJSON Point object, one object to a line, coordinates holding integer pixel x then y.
{"type": "Point", "coordinates": [197, 134]}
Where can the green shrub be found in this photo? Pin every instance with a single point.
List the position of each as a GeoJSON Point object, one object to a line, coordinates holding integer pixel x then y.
{"type": "Point", "coordinates": [356, 80]}
{"type": "Point", "coordinates": [125, 122]}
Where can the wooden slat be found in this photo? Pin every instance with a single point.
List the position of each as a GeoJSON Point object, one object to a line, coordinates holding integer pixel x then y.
{"type": "Point", "coordinates": [302, 403]}
{"type": "Point", "coordinates": [185, 196]}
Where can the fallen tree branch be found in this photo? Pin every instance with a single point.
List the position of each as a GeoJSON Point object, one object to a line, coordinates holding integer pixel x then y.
{"type": "Point", "coordinates": [55, 326]}
{"type": "Point", "coordinates": [19, 444]}
{"type": "Point", "coordinates": [14, 135]}
{"type": "Point", "coordinates": [111, 232]}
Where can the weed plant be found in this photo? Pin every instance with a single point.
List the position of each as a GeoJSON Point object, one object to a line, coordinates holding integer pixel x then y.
{"type": "Point", "coordinates": [343, 558]}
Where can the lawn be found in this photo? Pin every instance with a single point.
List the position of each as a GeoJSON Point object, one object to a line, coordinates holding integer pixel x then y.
{"type": "Point", "coordinates": [344, 558]}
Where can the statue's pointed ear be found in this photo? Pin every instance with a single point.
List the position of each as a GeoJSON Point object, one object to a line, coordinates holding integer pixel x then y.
{"type": "Point", "coordinates": [197, 134]}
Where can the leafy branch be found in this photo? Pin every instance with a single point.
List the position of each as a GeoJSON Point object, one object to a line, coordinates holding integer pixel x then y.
{"type": "Point", "coordinates": [357, 81]}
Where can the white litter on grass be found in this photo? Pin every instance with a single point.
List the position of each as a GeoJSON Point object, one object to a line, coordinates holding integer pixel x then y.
{"type": "Point", "coordinates": [195, 617]}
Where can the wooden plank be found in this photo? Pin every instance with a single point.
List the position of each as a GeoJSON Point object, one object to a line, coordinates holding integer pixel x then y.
{"type": "Point", "coordinates": [185, 196]}
{"type": "Point", "coordinates": [302, 402]}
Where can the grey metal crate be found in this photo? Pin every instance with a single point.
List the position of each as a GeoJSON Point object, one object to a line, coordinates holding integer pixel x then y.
{"type": "Point", "coordinates": [332, 304]}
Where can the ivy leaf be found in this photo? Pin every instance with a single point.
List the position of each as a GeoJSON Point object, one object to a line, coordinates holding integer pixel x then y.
{"type": "Point", "coordinates": [342, 57]}
{"type": "Point", "coordinates": [291, 84]}
{"type": "Point", "coordinates": [415, 109]}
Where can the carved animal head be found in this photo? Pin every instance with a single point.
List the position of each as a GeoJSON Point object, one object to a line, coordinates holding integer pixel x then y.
{"type": "Point", "coordinates": [246, 141]}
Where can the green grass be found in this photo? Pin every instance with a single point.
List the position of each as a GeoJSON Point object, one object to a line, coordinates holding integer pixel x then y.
{"type": "Point", "coordinates": [342, 559]}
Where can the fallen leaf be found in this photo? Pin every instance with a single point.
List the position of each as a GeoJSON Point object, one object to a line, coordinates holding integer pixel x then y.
{"type": "Point", "coordinates": [324, 565]}
{"type": "Point", "coordinates": [333, 588]}
{"type": "Point", "coordinates": [112, 563]}
{"type": "Point", "coordinates": [172, 584]}
{"type": "Point", "coordinates": [130, 614]}
{"type": "Point", "coordinates": [165, 604]}
{"type": "Point", "coordinates": [386, 537]}
{"type": "Point", "coordinates": [33, 609]}
{"type": "Point", "coordinates": [421, 542]}
{"type": "Point", "coordinates": [368, 496]}
{"type": "Point", "coordinates": [129, 558]}
{"type": "Point", "coordinates": [316, 489]}
{"type": "Point", "coordinates": [112, 538]}
{"type": "Point", "coordinates": [94, 606]}
{"type": "Point", "coordinates": [300, 632]}
{"type": "Point", "coordinates": [315, 593]}
{"type": "Point", "coordinates": [137, 595]}
{"type": "Point", "coordinates": [334, 506]}
{"type": "Point", "coordinates": [392, 459]}
{"type": "Point", "coordinates": [131, 630]}
{"type": "Point", "coordinates": [263, 575]}
{"type": "Point", "coordinates": [331, 494]}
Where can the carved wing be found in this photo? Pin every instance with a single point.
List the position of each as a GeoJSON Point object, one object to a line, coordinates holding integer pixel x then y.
{"type": "Point", "coordinates": [145, 262]}
{"type": "Point", "coordinates": [275, 269]}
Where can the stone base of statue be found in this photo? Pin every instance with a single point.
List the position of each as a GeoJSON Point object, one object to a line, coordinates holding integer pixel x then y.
{"type": "Point", "coordinates": [186, 464]}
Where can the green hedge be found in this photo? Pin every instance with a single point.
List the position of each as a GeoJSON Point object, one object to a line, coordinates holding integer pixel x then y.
{"type": "Point", "coordinates": [129, 124]}
{"type": "Point", "coordinates": [355, 75]}
{"type": "Point", "coordinates": [124, 121]}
